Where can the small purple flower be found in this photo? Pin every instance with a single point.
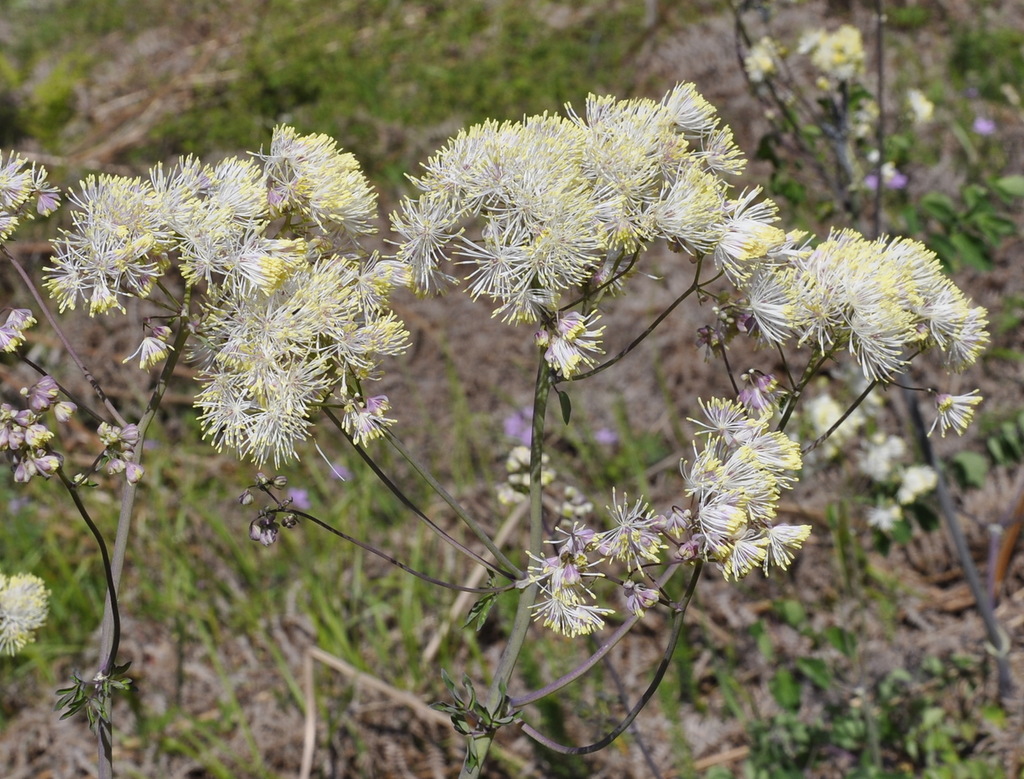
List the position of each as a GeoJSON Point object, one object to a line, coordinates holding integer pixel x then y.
{"type": "Point", "coordinates": [983, 125]}
{"type": "Point", "coordinates": [339, 471]}
{"type": "Point", "coordinates": [300, 498]}
{"type": "Point", "coordinates": [519, 425]}
{"type": "Point", "coordinates": [898, 180]}
{"type": "Point", "coordinates": [606, 437]}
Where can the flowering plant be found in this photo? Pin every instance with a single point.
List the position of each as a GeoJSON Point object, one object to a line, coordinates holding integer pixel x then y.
{"type": "Point", "coordinates": [261, 272]}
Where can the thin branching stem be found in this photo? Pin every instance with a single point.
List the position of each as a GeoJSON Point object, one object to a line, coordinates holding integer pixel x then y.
{"type": "Point", "coordinates": [666, 659]}
{"type": "Point", "coordinates": [385, 556]}
{"type": "Point", "coordinates": [407, 502]}
{"type": "Point", "coordinates": [842, 418]}
{"type": "Point", "coordinates": [455, 506]}
{"type": "Point", "coordinates": [497, 699]}
{"type": "Point", "coordinates": [107, 404]}
{"type": "Point", "coordinates": [620, 632]}
{"type": "Point", "coordinates": [696, 285]}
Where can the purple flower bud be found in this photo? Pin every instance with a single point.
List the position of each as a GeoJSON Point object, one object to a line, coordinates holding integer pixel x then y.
{"type": "Point", "coordinates": [264, 529]}
{"type": "Point", "coordinates": [42, 394]}
{"type": "Point", "coordinates": [134, 472]}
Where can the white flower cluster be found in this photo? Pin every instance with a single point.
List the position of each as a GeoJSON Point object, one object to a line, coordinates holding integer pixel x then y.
{"type": "Point", "coordinates": [732, 485]}
{"type": "Point", "coordinates": [292, 312]}
{"type": "Point", "coordinates": [24, 604]}
{"type": "Point", "coordinates": [562, 206]}
{"type": "Point", "coordinates": [24, 192]}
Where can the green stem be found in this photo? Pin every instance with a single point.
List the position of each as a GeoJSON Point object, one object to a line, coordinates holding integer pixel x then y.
{"type": "Point", "coordinates": [479, 744]}
{"type": "Point", "coordinates": [110, 626]}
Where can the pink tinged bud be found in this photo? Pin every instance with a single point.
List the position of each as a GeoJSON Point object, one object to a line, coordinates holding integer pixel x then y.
{"type": "Point", "coordinates": [378, 404]}
{"type": "Point", "coordinates": [37, 435]}
{"type": "Point", "coordinates": [9, 339]}
{"type": "Point", "coordinates": [134, 472]}
{"type": "Point", "coordinates": [263, 529]}
{"type": "Point", "coordinates": [115, 466]}
{"type": "Point", "coordinates": [47, 203]}
{"type": "Point", "coordinates": [15, 437]}
{"type": "Point", "coordinates": [25, 470]}
{"type": "Point", "coordinates": [63, 411]}
{"type": "Point", "coordinates": [130, 434]}
{"type": "Point", "coordinates": [163, 332]}
{"type": "Point", "coordinates": [47, 464]}
{"type": "Point", "coordinates": [19, 319]}
{"type": "Point", "coordinates": [42, 394]}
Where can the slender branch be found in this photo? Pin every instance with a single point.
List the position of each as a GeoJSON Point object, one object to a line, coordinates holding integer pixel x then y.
{"type": "Point", "coordinates": [398, 493]}
{"type": "Point", "coordinates": [385, 556]}
{"type": "Point", "coordinates": [677, 626]}
{"type": "Point", "coordinates": [479, 744]}
{"type": "Point", "coordinates": [455, 506]}
{"type": "Point", "coordinates": [640, 338]}
{"type": "Point", "coordinates": [63, 338]}
{"type": "Point", "coordinates": [79, 404]}
{"type": "Point", "coordinates": [835, 426]}
{"type": "Point", "coordinates": [72, 489]}
{"type": "Point", "coordinates": [880, 100]}
{"type": "Point", "coordinates": [997, 637]}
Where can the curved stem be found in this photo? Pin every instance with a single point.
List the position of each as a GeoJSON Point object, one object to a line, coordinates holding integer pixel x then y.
{"type": "Point", "coordinates": [478, 744]}
{"type": "Point", "coordinates": [63, 338]}
{"type": "Point", "coordinates": [640, 338]}
{"type": "Point", "coordinates": [620, 632]}
{"type": "Point", "coordinates": [677, 626]}
{"type": "Point", "coordinates": [385, 556]}
{"type": "Point", "coordinates": [72, 489]}
{"type": "Point", "coordinates": [397, 492]}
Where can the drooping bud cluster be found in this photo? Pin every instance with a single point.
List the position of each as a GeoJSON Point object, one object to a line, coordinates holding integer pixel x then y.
{"type": "Point", "coordinates": [24, 437]}
{"type": "Point", "coordinates": [119, 450]}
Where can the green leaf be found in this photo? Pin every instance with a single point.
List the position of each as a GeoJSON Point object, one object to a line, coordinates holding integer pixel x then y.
{"type": "Point", "coordinates": [841, 639]}
{"type": "Point", "coordinates": [815, 669]}
{"type": "Point", "coordinates": [1009, 186]}
{"type": "Point", "coordinates": [792, 612]}
{"type": "Point", "coordinates": [479, 611]}
{"type": "Point", "coordinates": [565, 404]}
{"type": "Point", "coordinates": [971, 251]}
{"type": "Point", "coordinates": [970, 469]}
{"type": "Point", "coordinates": [785, 689]}
{"type": "Point", "coordinates": [940, 207]}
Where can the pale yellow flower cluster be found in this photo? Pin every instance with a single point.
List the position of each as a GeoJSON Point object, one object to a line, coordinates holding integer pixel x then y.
{"type": "Point", "coordinates": [762, 61]}
{"type": "Point", "coordinates": [24, 604]}
{"type": "Point", "coordinates": [24, 192]}
{"type": "Point", "coordinates": [293, 312]}
{"type": "Point", "coordinates": [734, 483]}
{"type": "Point", "coordinates": [550, 207]}
{"type": "Point", "coordinates": [883, 301]}
{"type": "Point", "coordinates": [838, 55]}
